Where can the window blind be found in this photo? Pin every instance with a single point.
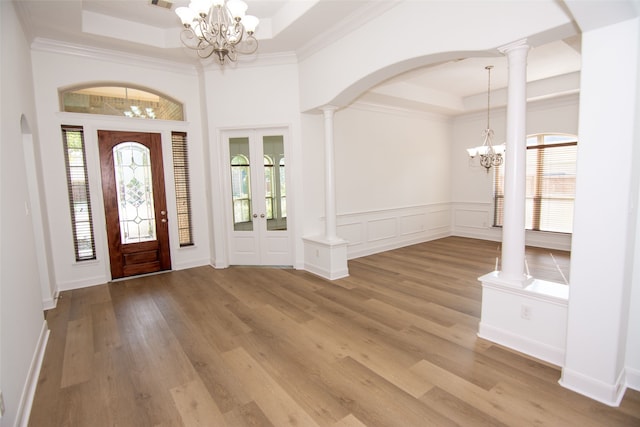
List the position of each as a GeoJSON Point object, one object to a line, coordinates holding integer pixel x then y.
{"type": "Point", "coordinates": [183, 193]}
{"type": "Point", "coordinates": [78, 190]}
{"type": "Point", "coordinates": [550, 184]}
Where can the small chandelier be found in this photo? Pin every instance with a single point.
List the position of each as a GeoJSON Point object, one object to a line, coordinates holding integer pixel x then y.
{"type": "Point", "coordinates": [218, 27]}
{"type": "Point", "coordinates": [490, 155]}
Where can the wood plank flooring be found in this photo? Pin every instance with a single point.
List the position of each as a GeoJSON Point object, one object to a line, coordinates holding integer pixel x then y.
{"type": "Point", "coordinates": [394, 344]}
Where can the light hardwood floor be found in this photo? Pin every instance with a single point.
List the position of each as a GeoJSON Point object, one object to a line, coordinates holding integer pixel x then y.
{"type": "Point", "coordinates": [394, 344]}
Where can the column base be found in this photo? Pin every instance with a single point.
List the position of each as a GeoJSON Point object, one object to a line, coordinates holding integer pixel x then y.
{"type": "Point", "coordinates": [326, 258]}
{"type": "Point", "coordinates": [529, 316]}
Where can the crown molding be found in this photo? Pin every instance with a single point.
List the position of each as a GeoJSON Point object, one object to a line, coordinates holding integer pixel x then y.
{"type": "Point", "coordinates": [533, 104]}
{"type": "Point", "coordinates": [65, 48]}
{"type": "Point", "coordinates": [398, 111]}
{"type": "Point", "coordinates": [343, 27]}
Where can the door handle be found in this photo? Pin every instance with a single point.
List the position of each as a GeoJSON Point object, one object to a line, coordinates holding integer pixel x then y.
{"type": "Point", "coordinates": [163, 213]}
{"type": "Point", "coordinates": [164, 220]}
{"type": "Point", "coordinates": [255, 215]}
{"type": "Point", "coordinates": [261, 215]}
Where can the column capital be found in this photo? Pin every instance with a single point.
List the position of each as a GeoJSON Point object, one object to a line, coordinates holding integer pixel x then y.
{"type": "Point", "coordinates": [514, 46]}
{"type": "Point", "coordinates": [328, 109]}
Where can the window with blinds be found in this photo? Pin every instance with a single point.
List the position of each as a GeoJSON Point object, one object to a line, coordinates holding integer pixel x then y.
{"type": "Point", "coordinates": [550, 183]}
{"type": "Point", "coordinates": [79, 197]}
{"type": "Point", "coordinates": [183, 194]}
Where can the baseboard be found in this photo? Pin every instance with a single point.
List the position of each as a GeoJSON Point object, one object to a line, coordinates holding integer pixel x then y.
{"type": "Point", "coordinates": [516, 342]}
{"type": "Point", "coordinates": [609, 394]}
{"type": "Point", "coordinates": [29, 391]}
{"type": "Point", "coordinates": [326, 274]}
{"type": "Point", "coordinates": [84, 283]}
{"type": "Point", "coordinates": [632, 378]}
{"type": "Point", "coordinates": [51, 303]}
{"type": "Point", "coordinates": [396, 244]}
{"type": "Point", "coordinates": [191, 264]}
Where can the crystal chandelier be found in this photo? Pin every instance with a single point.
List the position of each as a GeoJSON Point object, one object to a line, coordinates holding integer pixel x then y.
{"type": "Point", "coordinates": [490, 155]}
{"type": "Point", "coordinates": [218, 27]}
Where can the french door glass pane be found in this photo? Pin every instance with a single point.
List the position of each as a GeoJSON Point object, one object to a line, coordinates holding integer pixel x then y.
{"type": "Point", "coordinates": [241, 183]}
{"type": "Point", "coordinates": [275, 192]}
{"type": "Point", "coordinates": [132, 165]}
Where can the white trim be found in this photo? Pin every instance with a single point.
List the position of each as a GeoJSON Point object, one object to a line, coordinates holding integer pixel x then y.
{"type": "Point", "coordinates": [51, 303]}
{"type": "Point", "coordinates": [381, 230]}
{"type": "Point", "coordinates": [413, 113]}
{"type": "Point", "coordinates": [190, 264]}
{"type": "Point", "coordinates": [632, 378]}
{"type": "Point", "coordinates": [112, 56]}
{"type": "Point", "coordinates": [83, 283]}
{"type": "Point", "coordinates": [609, 394]}
{"type": "Point", "coordinates": [478, 226]}
{"type": "Point", "coordinates": [539, 350]}
{"type": "Point", "coordinates": [29, 391]}
{"type": "Point", "coordinates": [345, 26]}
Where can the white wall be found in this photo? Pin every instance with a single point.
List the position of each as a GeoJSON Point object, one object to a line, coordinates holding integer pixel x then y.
{"type": "Point", "coordinates": [633, 335]}
{"type": "Point", "coordinates": [472, 186]}
{"type": "Point", "coordinates": [55, 67]}
{"type": "Point", "coordinates": [392, 172]}
{"type": "Point", "coordinates": [22, 325]}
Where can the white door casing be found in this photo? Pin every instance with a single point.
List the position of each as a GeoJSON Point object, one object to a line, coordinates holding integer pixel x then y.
{"type": "Point", "coordinates": [258, 231]}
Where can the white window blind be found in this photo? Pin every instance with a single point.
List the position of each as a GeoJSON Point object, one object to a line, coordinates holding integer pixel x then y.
{"type": "Point", "coordinates": [550, 183]}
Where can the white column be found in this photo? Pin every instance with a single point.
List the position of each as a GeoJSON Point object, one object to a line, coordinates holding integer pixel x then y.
{"type": "Point", "coordinates": [513, 229]}
{"type": "Point", "coordinates": [330, 184]}
{"type": "Point", "coordinates": [326, 255]}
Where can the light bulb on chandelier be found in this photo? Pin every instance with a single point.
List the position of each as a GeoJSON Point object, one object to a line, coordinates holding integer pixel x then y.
{"type": "Point", "coordinates": [219, 27]}
{"type": "Point", "coordinates": [490, 155]}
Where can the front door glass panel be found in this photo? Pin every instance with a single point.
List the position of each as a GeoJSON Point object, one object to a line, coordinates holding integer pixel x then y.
{"type": "Point", "coordinates": [132, 165]}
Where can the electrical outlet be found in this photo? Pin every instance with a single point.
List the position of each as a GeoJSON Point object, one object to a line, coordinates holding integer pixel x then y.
{"type": "Point", "coordinates": [525, 312]}
{"type": "Point", "coordinates": [1, 405]}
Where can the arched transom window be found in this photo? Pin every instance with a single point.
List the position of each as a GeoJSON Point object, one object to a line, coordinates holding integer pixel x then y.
{"type": "Point", "coordinates": [120, 101]}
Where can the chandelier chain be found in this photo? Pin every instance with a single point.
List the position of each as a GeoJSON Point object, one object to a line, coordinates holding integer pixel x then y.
{"type": "Point", "coordinates": [488, 68]}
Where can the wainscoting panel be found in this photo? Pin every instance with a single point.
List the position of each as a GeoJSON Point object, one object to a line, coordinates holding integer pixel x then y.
{"type": "Point", "coordinates": [352, 232]}
{"type": "Point", "coordinates": [382, 229]}
{"type": "Point", "coordinates": [475, 220]}
{"type": "Point", "coordinates": [412, 224]}
{"type": "Point", "coordinates": [377, 231]}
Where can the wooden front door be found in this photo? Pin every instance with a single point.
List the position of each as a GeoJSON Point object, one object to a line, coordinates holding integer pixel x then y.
{"type": "Point", "coordinates": [134, 202]}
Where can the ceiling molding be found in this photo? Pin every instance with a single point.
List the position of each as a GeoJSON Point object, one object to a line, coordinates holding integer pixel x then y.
{"type": "Point", "coordinates": [344, 26]}
{"type": "Point", "coordinates": [55, 46]}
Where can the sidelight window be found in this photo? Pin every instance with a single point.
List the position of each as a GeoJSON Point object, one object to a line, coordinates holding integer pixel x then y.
{"type": "Point", "coordinates": [183, 193]}
{"type": "Point", "coordinates": [79, 197]}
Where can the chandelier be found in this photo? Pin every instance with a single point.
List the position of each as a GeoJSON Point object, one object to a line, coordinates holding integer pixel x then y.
{"type": "Point", "coordinates": [218, 27]}
{"type": "Point", "coordinates": [490, 155]}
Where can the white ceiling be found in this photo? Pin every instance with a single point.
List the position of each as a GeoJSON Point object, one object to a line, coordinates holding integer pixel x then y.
{"type": "Point", "coordinates": [286, 27]}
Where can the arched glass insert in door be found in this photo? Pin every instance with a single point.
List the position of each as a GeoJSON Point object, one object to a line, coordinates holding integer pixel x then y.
{"type": "Point", "coordinates": [274, 182]}
{"type": "Point", "coordinates": [132, 165]}
{"type": "Point", "coordinates": [241, 184]}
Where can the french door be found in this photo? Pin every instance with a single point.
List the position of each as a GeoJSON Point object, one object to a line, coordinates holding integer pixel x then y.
{"type": "Point", "coordinates": [258, 230]}
{"type": "Point", "coordinates": [134, 202]}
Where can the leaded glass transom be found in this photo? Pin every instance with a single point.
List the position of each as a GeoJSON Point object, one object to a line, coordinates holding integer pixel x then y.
{"type": "Point", "coordinates": [121, 101]}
